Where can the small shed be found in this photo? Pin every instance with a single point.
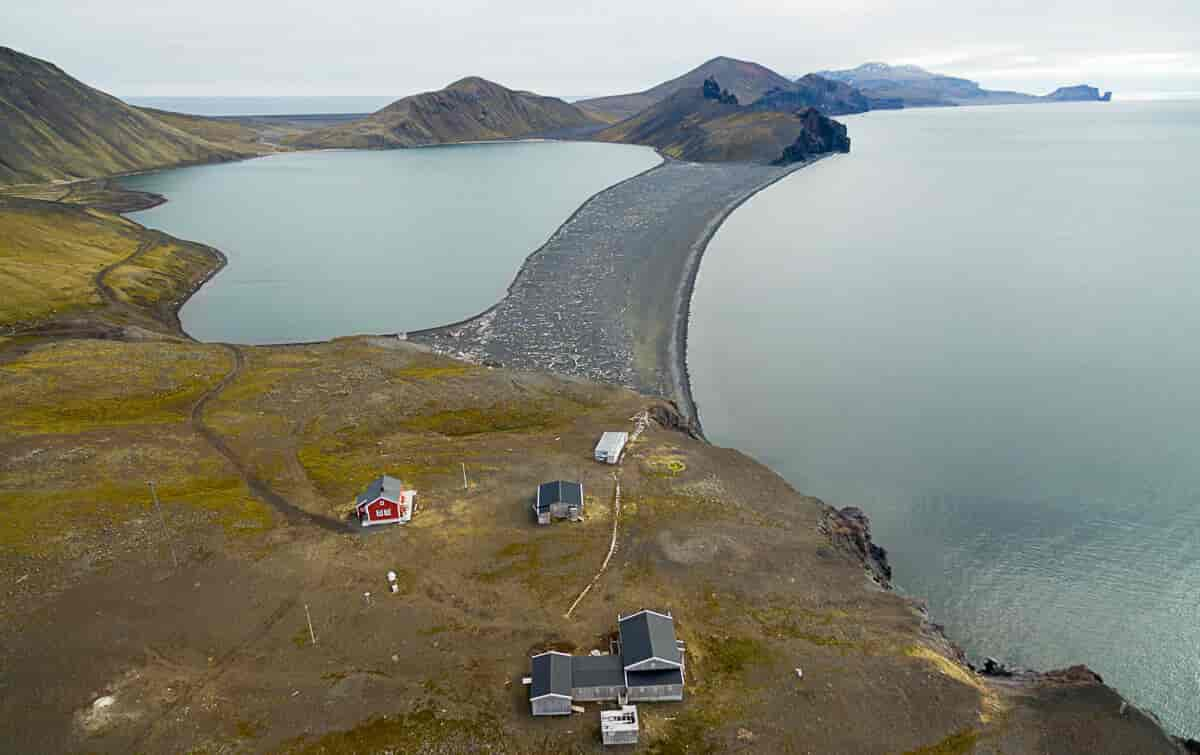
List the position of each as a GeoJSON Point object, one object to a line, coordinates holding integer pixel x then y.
{"type": "Point", "coordinates": [558, 500]}
{"type": "Point", "coordinates": [385, 501]}
{"type": "Point", "coordinates": [610, 447]}
{"type": "Point", "coordinates": [550, 690]}
{"type": "Point", "coordinates": [619, 727]}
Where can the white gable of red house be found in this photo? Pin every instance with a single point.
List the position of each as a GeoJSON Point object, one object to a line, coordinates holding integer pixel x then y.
{"type": "Point", "coordinates": [385, 501]}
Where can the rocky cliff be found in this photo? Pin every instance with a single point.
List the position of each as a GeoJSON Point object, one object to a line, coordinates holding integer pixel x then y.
{"type": "Point", "coordinates": [1078, 93]}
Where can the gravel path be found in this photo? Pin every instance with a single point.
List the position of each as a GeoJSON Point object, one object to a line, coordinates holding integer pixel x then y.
{"type": "Point", "coordinates": [607, 296]}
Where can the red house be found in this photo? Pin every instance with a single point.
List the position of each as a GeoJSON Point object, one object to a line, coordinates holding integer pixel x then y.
{"type": "Point", "coordinates": [385, 501]}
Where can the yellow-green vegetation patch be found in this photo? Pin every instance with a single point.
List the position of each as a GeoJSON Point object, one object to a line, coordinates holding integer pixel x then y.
{"type": "Point", "coordinates": [517, 561]}
{"type": "Point", "coordinates": [658, 508]}
{"type": "Point", "coordinates": [341, 465]}
{"type": "Point", "coordinates": [959, 743]}
{"type": "Point", "coordinates": [422, 730]}
{"type": "Point", "coordinates": [732, 654]}
{"type": "Point", "coordinates": [68, 492]}
{"type": "Point", "coordinates": [73, 386]}
{"type": "Point", "coordinates": [49, 255]}
{"type": "Point", "coordinates": [164, 272]}
{"type": "Point", "coordinates": [688, 733]}
{"type": "Point", "coordinates": [665, 461]}
{"type": "Point", "coordinates": [510, 417]}
{"type": "Point", "coordinates": [990, 703]}
{"type": "Point", "coordinates": [813, 627]}
{"type": "Point", "coordinates": [439, 370]}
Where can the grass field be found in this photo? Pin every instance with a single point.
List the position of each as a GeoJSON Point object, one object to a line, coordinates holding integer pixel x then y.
{"type": "Point", "coordinates": [51, 254]}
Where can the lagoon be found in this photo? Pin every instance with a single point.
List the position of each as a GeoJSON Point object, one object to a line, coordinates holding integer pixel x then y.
{"type": "Point", "coordinates": [333, 243]}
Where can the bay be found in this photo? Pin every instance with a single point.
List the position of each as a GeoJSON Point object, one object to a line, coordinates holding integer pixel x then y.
{"type": "Point", "coordinates": [980, 326]}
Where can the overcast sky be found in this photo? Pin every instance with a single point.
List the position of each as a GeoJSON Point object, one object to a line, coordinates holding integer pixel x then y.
{"type": "Point", "coordinates": [574, 47]}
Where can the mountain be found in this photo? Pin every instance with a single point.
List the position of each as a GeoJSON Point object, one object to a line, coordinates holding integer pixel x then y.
{"type": "Point", "coordinates": [745, 80]}
{"type": "Point", "coordinates": [471, 109]}
{"type": "Point", "coordinates": [54, 127]}
{"type": "Point", "coordinates": [706, 124]}
{"type": "Point", "coordinates": [913, 86]}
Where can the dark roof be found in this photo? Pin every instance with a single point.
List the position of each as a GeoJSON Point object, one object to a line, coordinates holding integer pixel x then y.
{"type": "Point", "coordinates": [597, 671]}
{"type": "Point", "coordinates": [647, 634]}
{"type": "Point", "coordinates": [551, 675]}
{"type": "Point", "coordinates": [655, 678]}
{"type": "Point", "coordinates": [386, 486]}
{"type": "Point", "coordinates": [559, 491]}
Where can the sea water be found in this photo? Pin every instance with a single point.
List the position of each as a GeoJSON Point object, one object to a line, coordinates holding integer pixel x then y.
{"type": "Point", "coordinates": [982, 326]}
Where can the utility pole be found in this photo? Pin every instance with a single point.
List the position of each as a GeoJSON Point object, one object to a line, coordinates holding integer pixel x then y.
{"type": "Point", "coordinates": [163, 519]}
{"type": "Point", "coordinates": [464, 467]}
{"type": "Point", "coordinates": [311, 633]}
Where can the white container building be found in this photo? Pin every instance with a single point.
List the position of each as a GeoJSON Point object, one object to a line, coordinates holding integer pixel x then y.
{"type": "Point", "coordinates": [610, 447]}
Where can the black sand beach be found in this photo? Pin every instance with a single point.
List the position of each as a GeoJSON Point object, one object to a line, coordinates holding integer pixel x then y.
{"type": "Point", "coordinates": [607, 296]}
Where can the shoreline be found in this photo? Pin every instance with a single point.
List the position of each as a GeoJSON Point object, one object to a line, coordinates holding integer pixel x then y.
{"type": "Point", "coordinates": [680, 372]}
{"type": "Point", "coordinates": [628, 257]}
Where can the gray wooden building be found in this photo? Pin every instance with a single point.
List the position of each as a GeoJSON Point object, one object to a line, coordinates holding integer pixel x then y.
{"type": "Point", "coordinates": [558, 500]}
{"type": "Point", "coordinates": [597, 677]}
{"type": "Point", "coordinates": [648, 667]}
{"type": "Point", "coordinates": [550, 692]}
{"type": "Point", "coordinates": [652, 656]}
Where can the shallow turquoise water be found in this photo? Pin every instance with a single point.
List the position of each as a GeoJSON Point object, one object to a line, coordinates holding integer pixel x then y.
{"type": "Point", "coordinates": [326, 244]}
{"type": "Point", "coordinates": [981, 326]}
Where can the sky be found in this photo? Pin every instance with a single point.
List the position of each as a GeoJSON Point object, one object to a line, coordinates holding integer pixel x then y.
{"type": "Point", "coordinates": [139, 48]}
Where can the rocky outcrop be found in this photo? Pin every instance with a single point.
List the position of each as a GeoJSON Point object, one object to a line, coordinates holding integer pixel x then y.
{"type": "Point", "coordinates": [707, 124]}
{"type": "Point", "coordinates": [819, 136]}
{"type": "Point", "coordinates": [850, 529]}
{"type": "Point", "coordinates": [669, 417]}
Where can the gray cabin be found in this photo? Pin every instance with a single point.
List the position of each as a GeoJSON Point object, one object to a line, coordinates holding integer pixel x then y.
{"type": "Point", "coordinates": [558, 500]}
{"type": "Point", "coordinates": [649, 667]}
{"type": "Point", "coordinates": [550, 692]}
{"type": "Point", "coordinates": [652, 657]}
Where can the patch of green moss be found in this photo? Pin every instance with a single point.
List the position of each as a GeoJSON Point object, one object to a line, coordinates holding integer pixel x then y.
{"type": "Point", "coordinates": [489, 419]}
{"type": "Point", "coordinates": [653, 509]}
{"type": "Point", "coordinates": [959, 743]}
{"type": "Point", "coordinates": [74, 386]}
{"type": "Point", "coordinates": [524, 561]}
{"type": "Point", "coordinates": [340, 466]}
{"type": "Point", "coordinates": [422, 730]}
{"type": "Point", "coordinates": [732, 655]}
{"type": "Point", "coordinates": [687, 734]}
{"type": "Point", "coordinates": [799, 624]}
{"type": "Point", "coordinates": [434, 371]}
{"type": "Point", "coordinates": [248, 729]}
{"type": "Point", "coordinates": [24, 516]}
